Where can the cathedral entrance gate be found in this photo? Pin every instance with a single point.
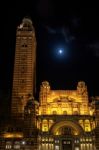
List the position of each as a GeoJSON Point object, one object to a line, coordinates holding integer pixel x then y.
{"type": "Point", "coordinates": [66, 136]}
{"type": "Point", "coordinates": [67, 144]}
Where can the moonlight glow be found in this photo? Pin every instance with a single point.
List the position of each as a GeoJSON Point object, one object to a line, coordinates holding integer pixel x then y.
{"type": "Point", "coordinates": [60, 51]}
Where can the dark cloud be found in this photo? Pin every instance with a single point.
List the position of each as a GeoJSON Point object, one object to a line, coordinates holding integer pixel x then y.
{"type": "Point", "coordinates": [67, 35]}
{"type": "Point", "coordinates": [50, 30]}
{"type": "Point", "coordinates": [95, 48]}
{"type": "Point", "coordinates": [65, 32]}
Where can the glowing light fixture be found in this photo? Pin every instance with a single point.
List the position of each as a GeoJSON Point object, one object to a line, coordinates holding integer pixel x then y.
{"type": "Point", "coordinates": [13, 135]}
{"type": "Point", "coordinates": [23, 142]}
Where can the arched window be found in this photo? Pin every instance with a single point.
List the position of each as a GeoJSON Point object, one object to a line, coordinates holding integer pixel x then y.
{"type": "Point", "coordinates": [8, 145]}
{"type": "Point", "coordinates": [54, 112]}
{"type": "Point", "coordinates": [87, 125]}
{"type": "Point", "coordinates": [17, 145]}
{"type": "Point", "coordinates": [81, 123]}
{"type": "Point", "coordinates": [65, 112]}
{"type": "Point", "coordinates": [45, 125]}
{"type": "Point", "coordinates": [75, 113]}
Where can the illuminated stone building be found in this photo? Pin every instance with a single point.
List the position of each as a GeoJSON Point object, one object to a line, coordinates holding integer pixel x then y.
{"type": "Point", "coordinates": [25, 67]}
{"type": "Point", "coordinates": [59, 120]}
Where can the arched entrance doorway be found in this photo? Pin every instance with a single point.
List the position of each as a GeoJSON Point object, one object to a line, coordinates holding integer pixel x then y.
{"type": "Point", "coordinates": [66, 135]}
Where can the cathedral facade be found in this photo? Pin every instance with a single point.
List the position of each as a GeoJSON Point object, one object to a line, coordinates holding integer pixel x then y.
{"type": "Point", "coordinates": [60, 120]}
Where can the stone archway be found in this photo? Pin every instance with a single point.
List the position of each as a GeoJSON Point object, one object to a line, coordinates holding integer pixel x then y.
{"type": "Point", "coordinates": [76, 127]}
{"type": "Point", "coordinates": [66, 132]}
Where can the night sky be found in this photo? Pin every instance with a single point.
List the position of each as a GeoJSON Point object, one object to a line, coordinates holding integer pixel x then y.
{"type": "Point", "coordinates": [72, 28]}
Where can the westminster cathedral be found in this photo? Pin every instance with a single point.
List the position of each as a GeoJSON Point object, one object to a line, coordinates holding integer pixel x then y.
{"type": "Point", "coordinates": [59, 119]}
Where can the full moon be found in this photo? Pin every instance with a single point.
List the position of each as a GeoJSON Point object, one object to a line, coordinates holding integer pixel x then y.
{"type": "Point", "coordinates": [60, 51]}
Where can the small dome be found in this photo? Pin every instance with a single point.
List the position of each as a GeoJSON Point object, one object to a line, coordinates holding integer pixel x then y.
{"type": "Point", "coordinates": [45, 83]}
{"type": "Point", "coordinates": [27, 20]}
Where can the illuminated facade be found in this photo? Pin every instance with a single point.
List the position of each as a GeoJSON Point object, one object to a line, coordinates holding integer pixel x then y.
{"type": "Point", "coordinates": [61, 120]}
{"type": "Point", "coordinates": [65, 119]}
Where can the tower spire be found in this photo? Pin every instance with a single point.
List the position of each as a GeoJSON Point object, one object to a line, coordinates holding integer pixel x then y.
{"type": "Point", "coordinates": [24, 75]}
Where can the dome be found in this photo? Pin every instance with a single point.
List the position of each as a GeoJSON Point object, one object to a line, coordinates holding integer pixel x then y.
{"type": "Point", "coordinates": [27, 20]}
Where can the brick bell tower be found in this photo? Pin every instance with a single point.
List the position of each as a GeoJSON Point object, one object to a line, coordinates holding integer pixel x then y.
{"type": "Point", "coordinates": [24, 75]}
